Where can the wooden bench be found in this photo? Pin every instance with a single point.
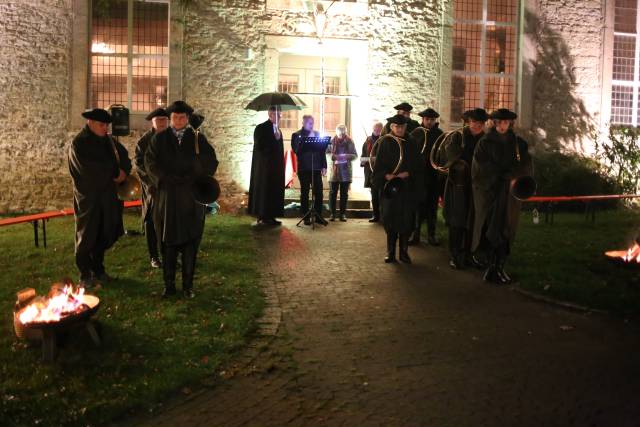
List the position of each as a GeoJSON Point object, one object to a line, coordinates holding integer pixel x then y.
{"type": "Point", "coordinates": [45, 216]}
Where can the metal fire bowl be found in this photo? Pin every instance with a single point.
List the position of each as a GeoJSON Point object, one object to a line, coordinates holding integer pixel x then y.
{"type": "Point", "coordinates": [615, 257]}
{"type": "Point", "coordinates": [91, 301]}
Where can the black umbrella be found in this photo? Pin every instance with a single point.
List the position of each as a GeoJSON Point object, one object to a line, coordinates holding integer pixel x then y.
{"type": "Point", "coordinates": [284, 102]}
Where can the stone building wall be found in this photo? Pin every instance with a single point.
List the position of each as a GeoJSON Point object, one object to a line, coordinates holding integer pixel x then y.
{"type": "Point", "coordinates": [403, 63]}
{"type": "Point", "coordinates": [35, 37]}
{"type": "Point", "coordinates": [226, 60]}
{"type": "Point", "coordinates": [567, 70]}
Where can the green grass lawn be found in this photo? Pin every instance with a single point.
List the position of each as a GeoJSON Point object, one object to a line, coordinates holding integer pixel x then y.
{"type": "Point", "coordinates": [151, 347]}
{"type": "Point", "coordinates": [566, 260]}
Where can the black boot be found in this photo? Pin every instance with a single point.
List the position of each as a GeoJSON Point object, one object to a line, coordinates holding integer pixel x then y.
{"type": "Point", "coordinates": [170, 258]}
{"type": "Point", "coordinates": [415, 238]}
{"type": "Point", "coordinates": [491, 275]}
{"type": "Point", "coordinates": [432, 238]}
{"type": "Point", "coordinates": [502, 277]}
{"type": "Point", "coordinates": [404, 249]}
{"type": "Point", "coordinates": [188, 269]}
{"type": "Point", "coordinates": [333, 216]}
{"type": "Point", "coordinates": [391, 247]}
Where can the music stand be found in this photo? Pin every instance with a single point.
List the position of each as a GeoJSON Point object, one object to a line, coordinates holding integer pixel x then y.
{"type": "Point", "coordinates": [314, 145]}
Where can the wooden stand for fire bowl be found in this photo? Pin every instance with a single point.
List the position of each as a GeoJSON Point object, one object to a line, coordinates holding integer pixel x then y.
{"type": "Point", "coordinates": [48, 332]}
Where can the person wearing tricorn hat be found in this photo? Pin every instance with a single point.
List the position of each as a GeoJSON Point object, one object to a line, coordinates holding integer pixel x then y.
{"type": "Point", "coordinates": [174, 160]}
{"type": "Point", "coordinates": [159, 119]}
{"type": "Point", "coordinates": [500, 157]}
{"type": "Point", "coordinates": [403, 109]}
{"type": "Point", "coordinates": [456, 153]}
{"type": "Point", "coordinates": [396, 170]}
{"type": "Point", "coordinates": [97, 164]}
{"type": "Point", "coordinates": [427, 133]}
{"type": "Point", "coordinates": [266, 188]}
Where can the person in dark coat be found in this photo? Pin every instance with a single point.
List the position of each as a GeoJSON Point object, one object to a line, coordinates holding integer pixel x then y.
{"type": "Point", "coordinates": [500, 157]}
{"type": "Point", "coordinates": [97, 164]}
{"type": "Point", "coordinates": [266, 188]}
{"type": "Point", "coordinates": [173, 165]}
{"type": "Point", "coordinates": [311, 167]}
{"type": "Point", "coordinates": [365, 163]}
{"type": "Point", "coordinates": [427, 133]}
{"type": "Point", "coordinates": [159, 122]}
{"type": "Point", "coordinates": [398, 208]}
{"type": "Point", "coordinates": [403, 109]}
{"type": "Point", "coordinates": [456, 154]}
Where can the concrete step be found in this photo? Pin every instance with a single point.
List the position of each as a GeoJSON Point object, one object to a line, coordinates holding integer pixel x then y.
{"type": "Point", "coordinates": [358, 204]}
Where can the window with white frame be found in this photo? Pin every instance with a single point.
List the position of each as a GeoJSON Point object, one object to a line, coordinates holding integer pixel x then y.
{"type": "Point", "coordinates": [288, 83]}
{"type": "Point", "coordinates": [484, 62]}
{"type": "Point", "coordinates": [625, 78]}
{"type": "Point", "coordinates": [129, 54]}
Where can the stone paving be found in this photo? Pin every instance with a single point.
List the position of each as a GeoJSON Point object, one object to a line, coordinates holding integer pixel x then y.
{"type": "Point", "coordinates": [361, 342]}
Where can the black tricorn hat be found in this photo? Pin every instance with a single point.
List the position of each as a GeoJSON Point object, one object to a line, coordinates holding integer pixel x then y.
{"type": "Point", "coordinates": [398, 119]}
{"type": "Point", "coordinates": [429, 112]}
{"type": "Point", "coordinates": [98, 114]}
{"type": "Point", "coordinates": [476, 114]}
{"type": "Point", "coordinates": [158, 112]}
{"type": "Point", "coordinates": [195, 120]}
{"type": "Point", "coordinates": [503, 114]}
{"type": "Point", "coordinates": [179, 107]}
{"type": "Point", "coordinates": [405, 106]}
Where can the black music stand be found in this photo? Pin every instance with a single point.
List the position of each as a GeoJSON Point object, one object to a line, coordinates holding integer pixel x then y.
{"type": "Point", "coordinates": [314, 145]}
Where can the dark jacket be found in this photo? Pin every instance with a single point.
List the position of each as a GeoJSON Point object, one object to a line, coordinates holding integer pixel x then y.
{"type": "Point", "coordinates": [458, 151]}
{"type": "Point", "coordinates": [421, 136]}
{"type": "Point", "coordinates": [398, 213]}
{"type": "Point", "coordinates": [366, 153]}
{"type": "Point", "coordinates": [148, 190]}
{"type": "Point", "coordinates": [494, 165]}
{"type": "Point", "coordinates": [307, 161]}
{"type": "Point", "coordinates": [266, 189]}
{"type": "Point", "coordinates": [172, 167]}
{"type": "Point", "coordinates": [93, 167]}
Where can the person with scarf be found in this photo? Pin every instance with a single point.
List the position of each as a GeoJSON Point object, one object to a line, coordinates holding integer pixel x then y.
{"type": "Point", "coordinates": [343, 152]}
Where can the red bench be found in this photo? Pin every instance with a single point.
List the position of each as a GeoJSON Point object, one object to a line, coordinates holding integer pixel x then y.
{"type": "Point", "coordinates": [45, 216]}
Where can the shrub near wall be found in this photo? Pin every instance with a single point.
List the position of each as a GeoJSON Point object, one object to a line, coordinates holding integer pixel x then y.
{"type": "Point", "coordinates": [559, 174]}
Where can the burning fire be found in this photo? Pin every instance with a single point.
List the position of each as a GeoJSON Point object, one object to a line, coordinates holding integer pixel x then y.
{"type": "Point", "coordinates": [630, 255]}
{"type": "Point", "coordinates": [54, 308]}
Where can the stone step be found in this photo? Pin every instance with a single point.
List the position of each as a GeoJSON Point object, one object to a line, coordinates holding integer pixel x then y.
{"type": "Point", "coordinates": [358, 204]}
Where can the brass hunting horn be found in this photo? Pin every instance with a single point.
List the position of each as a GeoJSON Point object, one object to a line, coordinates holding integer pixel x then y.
{"type": "Point", "coordinates": [525, 186]}
{"type": "Point", "coordinates": [130, 188]}
{"type": "Point", "coordinates": [393, 187]}
{"type": "Point", "coordinates": [205, 188]}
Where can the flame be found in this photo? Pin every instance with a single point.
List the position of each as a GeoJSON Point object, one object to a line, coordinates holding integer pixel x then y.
{"type": "Point", "coordinates": [52, 309]}
{"type": "Point", "coordinates": [630, 255]}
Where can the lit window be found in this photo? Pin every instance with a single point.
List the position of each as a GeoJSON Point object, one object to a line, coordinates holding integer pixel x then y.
{"type": "Point", "coordinates": [332, 106]}
{"type": "Point", "coordinates": [624, 88]}
{"type": "Point", "coordinates": [484, 55]}
{"type": "Point", "coordinates": [288, 83]}
{"type": "Point", "coordinates": [129, 54]}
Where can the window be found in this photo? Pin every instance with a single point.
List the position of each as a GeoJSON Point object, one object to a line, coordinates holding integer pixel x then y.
{"type": "Point", "coordinates": [484, 57]}
{"type": "Point", "coordinates": [332, 106]}
{"type": "Point", "coordinates": [129, 54]}
{"type": "Point", "coordinates": [625, 80]}
{"type": "Point", "coordinates": [288, 83]}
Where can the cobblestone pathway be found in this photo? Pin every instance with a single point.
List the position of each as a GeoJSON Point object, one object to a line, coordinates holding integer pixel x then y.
{"type": "Point", "coordinates": [365, 343]}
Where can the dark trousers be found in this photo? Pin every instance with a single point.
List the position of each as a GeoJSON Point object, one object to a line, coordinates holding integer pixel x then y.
{"type": "Point", "coordinates": [189, 251]}
{"type": "Point", "coordinates": [152, 237]}
{"type": "Point", "coordinates": [343, 187]}
{"type": "Point", "coordinates": [91, 261]}
{"type": "Point", "coordinates": [428, 211]}
{"type": "Point", "coordinates": [305, 186]}
{"type": "Point", "coordinates": [375, 202]}
{"type": "Point", "coordinates": [459, 241]}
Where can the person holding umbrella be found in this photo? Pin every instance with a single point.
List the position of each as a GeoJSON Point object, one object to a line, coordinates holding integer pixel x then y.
{"type": "Point", "coordinates": [266, 188]}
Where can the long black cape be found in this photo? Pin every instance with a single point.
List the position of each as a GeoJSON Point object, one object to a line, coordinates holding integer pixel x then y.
{"type": "Point", "coordinates": [147, 185]}
{"type": "Point", "coordinates": [494, 165]}
{"type": "Point", "coordinates": [398, 213]}
{"type": "Point", "coordinates": [93, 167]}
{"type": "Point", "coordinates": [172, 168]}
{"type": "Point", "coordinates": [266, 189]}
